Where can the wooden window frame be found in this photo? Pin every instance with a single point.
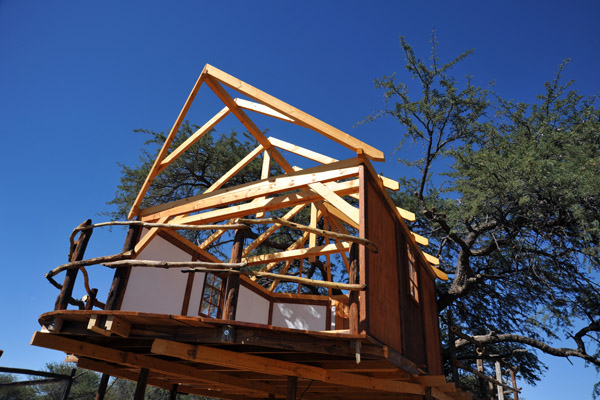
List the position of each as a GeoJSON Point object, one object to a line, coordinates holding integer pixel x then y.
{"type": "Point", "coordinates": [213, 288]}
{"type": "Point", "coordinates": [413, 277]}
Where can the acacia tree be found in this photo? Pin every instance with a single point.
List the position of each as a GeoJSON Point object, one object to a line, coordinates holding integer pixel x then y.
{"type": "Point", "coordinates": [515, 218]}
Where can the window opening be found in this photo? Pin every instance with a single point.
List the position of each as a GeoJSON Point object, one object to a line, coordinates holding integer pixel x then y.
{"type": "Point", "coordinates": [210, 306]}
{"type": "Point", "coordinates": [413, 279]}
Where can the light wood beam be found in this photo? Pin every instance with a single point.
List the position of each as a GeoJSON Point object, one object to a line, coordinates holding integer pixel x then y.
{"type": "Point", "coordinates": [291, 112]}
{"type": "Point", "coordinates": [189, 142]}
{"type": "Point", "coordinates": [298, 253]}
{"type": "Point", "coordinates": [269, 204]}
{"type": "Point", "coordinates": [265, 187]}
{"type": "Point", "coordinates": [165, 148]}
{"type": "Point", "coordinates": [264, 174]}
{"type": "Point", "coordinates": [261, 109]}
{"type": "Point", "coordinates": [235, 169]}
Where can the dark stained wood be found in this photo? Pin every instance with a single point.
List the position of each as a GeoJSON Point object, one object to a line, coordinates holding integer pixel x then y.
{"type": "Point", "coordinates": [382, 296]}
{"type": "Point", "coordinates": [412, 311]}
{"type": "Point", "coordinates": [102, 387]}
{"type": "Point", "coordinates": [188, 291]}
{"type": "Point", "coordinates": [119, 283]}
{"type": "Point", "coordinates": [451, 341]}
{"type": "Point", "coordinates": [140, 389]}
{"type": "Point", "coordinates": [292, 387]}
{"type": "Point", "coordinates": [77, 253]}
{"type": "Point", "coordinates": [173, 392]}
{"type": "Point", "coordinates": [232, 288]}
{"type": "Point", "coordinates": [353, 278]}
{"type": "Point", "coordinates": [431, 325]}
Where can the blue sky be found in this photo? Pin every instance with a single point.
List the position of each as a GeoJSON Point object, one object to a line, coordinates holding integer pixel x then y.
{"type": "Point", "coordinates": [77, 77]}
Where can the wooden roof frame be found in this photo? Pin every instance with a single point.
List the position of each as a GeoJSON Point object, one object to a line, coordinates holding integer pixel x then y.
{"type": "Point", "coordinates": [323, 186]}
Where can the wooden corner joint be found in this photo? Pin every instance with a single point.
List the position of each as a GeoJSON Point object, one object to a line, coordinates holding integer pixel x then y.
{"type": "Point", "coordinates": [110, 325]}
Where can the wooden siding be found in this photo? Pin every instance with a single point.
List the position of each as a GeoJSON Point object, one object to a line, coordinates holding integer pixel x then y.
{"type": "Point", "coordinates": [382, 297]}
{"type": "Point", "coordinates": [431, 325]}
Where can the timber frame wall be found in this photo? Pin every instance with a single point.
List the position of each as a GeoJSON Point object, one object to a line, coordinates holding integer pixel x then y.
{"type": "Point", "coordinates": [386, 338]}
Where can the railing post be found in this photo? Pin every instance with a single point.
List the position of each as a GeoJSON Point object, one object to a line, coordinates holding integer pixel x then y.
{"type": "Point", "coordinates": [499, 378]}
{"type": "Point", "coordinates": [232, 287]}
{"type": "Point", "coordinates": [66, 291]}
{"type": "Point", "coordinates": [452, 349]}
{"type": "Point", "coordinates": [117, 289]}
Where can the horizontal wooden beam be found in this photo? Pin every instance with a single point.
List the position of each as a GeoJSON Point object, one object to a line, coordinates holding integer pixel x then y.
{"type": "Point", "coordinates": [268, 204]}
{"type": "Point", "coordinates": [93, 351]}
{"type": "Point", "coordinates": [264, 187]}
{"type": "Point", "coordinates": [270, 366]}
{"type": "Point", "coordinates": [332, 248]}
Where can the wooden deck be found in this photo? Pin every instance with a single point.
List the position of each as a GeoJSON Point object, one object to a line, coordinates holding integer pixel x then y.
{"type": "Point", "coordinates": [236, 360]}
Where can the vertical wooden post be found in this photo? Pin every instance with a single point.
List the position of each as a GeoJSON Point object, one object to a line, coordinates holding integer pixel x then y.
{"type": "Point", "coordinates": [70, 381]}
{"type": "Point", "coordinates": [140, 389]}
{"type": "Point", "coordinates": [232, 287]}
{"type": "Point", "coordinates": [119, 283]}
{"type": "Point", "coordinates": [292, 387]}
{"type": "Point", "coordinates": [514, 383]}
{"type": "Point", "coordinates": [499, 378]}
{"type": "Point", "coordinates": [102, 387]}
{"type": "Point", "coordinates": [452, 348]}
{"type": "Point", "coordinates": [353, 278]}
{"type": "Point", "coordinates": [76, 255]}
{"type": "Point", "coordinates": [173, 392]}
{"type": "Point", "coordinates": [483, 387]}
{"type": "Point", "coordinates": [89, 304]}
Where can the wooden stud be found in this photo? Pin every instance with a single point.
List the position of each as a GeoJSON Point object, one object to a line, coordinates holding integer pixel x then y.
{"type": "Point", "coordinates": [264, 174]}
{"type": "Point", "coordinates": [235, 169]}
{"type": "Point", "coordinates": [261, 109]}
{"type": "Point", "coordinates": [298, 253]}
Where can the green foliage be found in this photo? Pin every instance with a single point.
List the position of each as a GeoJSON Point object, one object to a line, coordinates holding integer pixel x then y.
{"type": "Point", "coordinates": [15, 393]}
{"type": "Point", "coordinates": [513, 210]}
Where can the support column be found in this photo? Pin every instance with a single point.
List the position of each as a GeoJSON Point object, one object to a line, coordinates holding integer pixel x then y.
{"type": "Point", "coordinates": [140, 389]}
{"type": "Point", "coordinates": [514, 383]}
{"type": "Point", "coordinates": [102, 387]}
{"type": "Point", "coordinates": [292, 387]}
{"type": "Point", "coordinates": [70, 381]}
{"type": "Point", "coordinates": [353, 278]}
{"type": "Point", "coordinates": [483, 385]}
{"type": "Point", "coordinates": [452, 348]}
{"type": "Point", "coordinates": [173, 392]}
{"type": "Point", "coordinates": [76, 255]}
{"type": "Point", "coordinates": [232, 287]}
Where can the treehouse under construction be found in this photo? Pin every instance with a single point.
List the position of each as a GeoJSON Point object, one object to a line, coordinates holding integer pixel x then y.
{"type": "Point", "coordinates": [179, 317]}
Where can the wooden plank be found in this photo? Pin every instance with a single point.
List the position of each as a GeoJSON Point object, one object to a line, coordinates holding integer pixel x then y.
{"type": "Point", "coordinates": [338, 202]}
{"type": "Point", "coordinates": [270, 366]}
{"type": "Point", "coordinates": [269, 204]}
{"type": "Point", "coordinates": [265, 187]}
{"type": "Point", "coordinates": [312, 237]}
{"type": "Point", "coordinates": [335, 212]}
{"type": "Point", "coordinates": [165, 148]}
{"type": "Point", "coordinates": [264, 174]}
{"type": "Point", "coordinates": [291, 112]}
{"type": "Point", "coordinates": [189, 142]}
{"type": "Point", "coordinates": [261, 109]}
{"type": "Point", "coordinates": [301, 151]}
{"type": "Point", "coordinates": [298, 253]}
{"type": "Point", "coordinates": [431, 259]}
{"type": "Point", "coordinates": [175, 369]}
{"type": "Point", "coordinates": [420, 239]}
{"type": "Point", "coordinates": [235, 169]}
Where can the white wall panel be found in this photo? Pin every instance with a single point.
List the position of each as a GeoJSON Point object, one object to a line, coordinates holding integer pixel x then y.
{"type": "Point", "coordinates": [299, 316]}
{"type": "Point", "coordinates": [196, 295]}
{"type": "Point", "coordinates": [252, 307]}
{"type": "Point", "coordinates": [157, 290]}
